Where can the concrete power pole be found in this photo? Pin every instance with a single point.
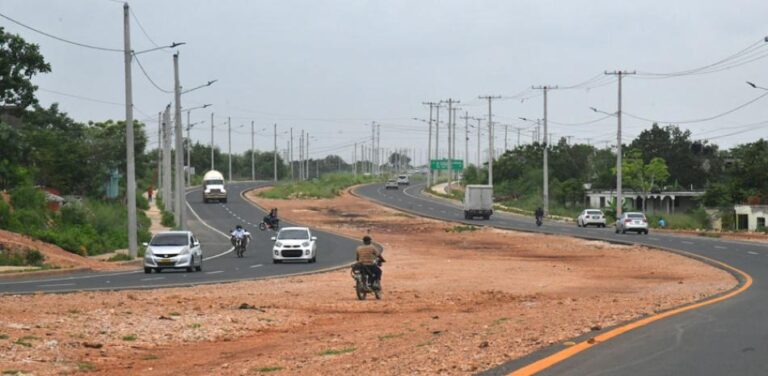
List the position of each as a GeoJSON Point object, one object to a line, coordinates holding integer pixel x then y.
{"type": "Point", "coordinates": [479, 149]}
{"type": "Point", "coordinates": [354, 158]}
{"type": "Point", "coordinates": [290, 156]}
{"type": "Point", "coordinates": [619, 199]}
{"type": "Point", "coordinates": [437, 141]}
{"type": "Point", "coordinates": [379, 159]}
{"type": "Point", "coordinates": [253, 161]}
{"type": "Point", "coordinates": [490, 99]}
{"type": "Point", "coordinates": [133, 245]}
{"type": "Point", "coordinates": [466, 138]}
{"type": "Point", "coordinates": [545, 193]}
{"type": "Point", "coordinates": [306, 157]}
{"type": "Point", "coordinates": [167, 170]}
{"type": "Point", "coordinates": [180, 202]}
{"type": "Point", "coordinates": [429, 144]}
{"type": "Point", "coordinates": [229, 147]}
{"type": "Point", "coordinates": [189, 152]}
{"type": "Point", "coordinates": [159, 151]}
{"type": "Point", "coordinates": [212, 161]}
{"type": "Point", "coordinates": [451, 115]}
{"type": "Point", "coordinates": [274, 167]}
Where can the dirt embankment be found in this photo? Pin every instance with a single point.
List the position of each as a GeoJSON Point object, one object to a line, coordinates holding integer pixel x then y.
{"type": "Point", "coordinates": [454, 303]}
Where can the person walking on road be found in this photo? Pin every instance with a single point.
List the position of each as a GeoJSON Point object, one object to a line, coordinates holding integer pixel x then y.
{"type": "Point", "coordinates": [150, 190]}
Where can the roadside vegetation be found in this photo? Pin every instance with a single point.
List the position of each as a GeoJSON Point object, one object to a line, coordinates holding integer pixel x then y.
{"type": "Point", "coordinates": [327, 186]}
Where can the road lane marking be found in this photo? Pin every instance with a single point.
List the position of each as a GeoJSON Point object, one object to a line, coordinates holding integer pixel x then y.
{"type": "Point", "coordinates": [720, 247]}
{"type": "Point", "coordinates": [256, 266]}
{"type": "Point", "coordinates": [57, 285]}
{"type": "Point", "coordinates": [752, 253]}
{"type": "Point", "coordinates": [564, 354]}
{"type": "Point", "coordinates": [686, 242]}
{"type": "Point", "coordinates": [152, 279]}
{"type": "Point", "coordinates": [215, 272]}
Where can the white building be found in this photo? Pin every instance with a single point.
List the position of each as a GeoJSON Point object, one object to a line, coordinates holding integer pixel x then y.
{"type": "Point", "coordinates": [750, 217]}
{"type": "Point", "coordinates": [664, 202]}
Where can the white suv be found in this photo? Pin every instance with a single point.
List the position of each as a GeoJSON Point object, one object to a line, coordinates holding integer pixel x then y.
{"type": "Point", "coordinates": [591, 217]}
{"type": "Point", "coordinates": [403, 180]}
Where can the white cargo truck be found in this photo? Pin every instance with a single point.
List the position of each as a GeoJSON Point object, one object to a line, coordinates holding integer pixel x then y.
{"type": "Point", "coordinates": [214, 188]}
{"type": "Point", "coordinates": [478, 201]}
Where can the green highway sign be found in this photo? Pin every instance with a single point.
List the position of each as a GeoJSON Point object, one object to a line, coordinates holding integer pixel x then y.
{"type": "Point", "coordinates": [442, 164]}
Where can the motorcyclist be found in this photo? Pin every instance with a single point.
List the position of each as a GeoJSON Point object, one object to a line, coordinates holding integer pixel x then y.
{"type": "Point", "coordinates": [539, 213]}
{"type": "Point", "coordinates": [369, 257]}
{"type": "Point", "coordinates": [271, 218]}
{"type": "Point", "coordinates": [240, 233]}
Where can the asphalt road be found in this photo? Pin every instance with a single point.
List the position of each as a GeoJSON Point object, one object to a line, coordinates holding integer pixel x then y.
{"type": "Point", "coordinates": [726, 338]}
{"type": "Point", "coordinates": [211, 223]}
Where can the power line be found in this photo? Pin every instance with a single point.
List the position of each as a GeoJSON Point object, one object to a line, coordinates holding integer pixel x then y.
{"type": "Point", "coordinates": [142, 28]}
{"type": "Point", "coordinates": [138, 62]}
{"type": "Point", "coordinates": [59, 38]}
{"type": "Point", "coordinates": [741, 57]}
{"type": "Point", "coordinates": [701, 119]}
{"type": "Point", "coordinates": [80, 97]}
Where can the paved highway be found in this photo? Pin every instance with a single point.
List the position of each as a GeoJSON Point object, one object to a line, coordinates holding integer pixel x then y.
{"type": "Point", "coordinates": [210, 223]}
{"type": "Point", "coordinates": [726, 338]}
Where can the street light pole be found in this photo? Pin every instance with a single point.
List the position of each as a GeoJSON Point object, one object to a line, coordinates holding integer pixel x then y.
{"type": "Point", "coordinates": [229, 147]}
{"type": "Point", "coordinates": [212, 161]}
{"type": "Point", "coordinates": [180, 203]}
{"type": "Point", "coordinates": [130, 172]}
{"type": "Point", "coordinates": [274, 157]}
{"type": "Point", "coordinates": [619, 199]}
{"type": "Point", "coordinates": [490, 99]}
{"type": "Point", "coordinates": [253, 161]}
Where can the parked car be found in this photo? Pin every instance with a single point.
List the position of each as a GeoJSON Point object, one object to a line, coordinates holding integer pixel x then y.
{"type": "Point", "coordinates": [391, 184]}
{"type": "Point", "coordinates": [632, 221]}
{"type": "Point", "coordinates": [294, 243]}
{"type": "Point", "coordinates": [591, 217]}
{"type": "Point", "coordinates": [173, 250]}
{"type": "Point", "coordinates": [403, 180]}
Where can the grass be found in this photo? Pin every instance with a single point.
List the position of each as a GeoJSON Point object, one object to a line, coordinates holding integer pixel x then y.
{"type": "Point", "coordinates": [86, 366]}
{"type": "Point", "coordinates": [120, 257]}
{"type": "Point", "coordinates": [24, 341]}
{"type": "Point", "coordinates": [14, 372]}
{"type": "Point", "coordinates": [267, 369]}
{"type": "Point", "coordinates": [196, 326]}
{"type": "Point", "coordinates": [150, 357]}
{"type": "Point", "coordinates": [131, 337]}
{"type": "Point", "coordinates": [3, 336]}
{"type": "Point", "coordinates": [390, 336]}
{"type": "Point", "coordinates": [499, 321]}
{"type": "Point", "coordinates": [327, 186]}
{"type": "Point", "coordinates": [462, 228]}
{"type": "Point", "coordinates": [338, 351]}
{"type": "Point", "coordinates": [174, 314]}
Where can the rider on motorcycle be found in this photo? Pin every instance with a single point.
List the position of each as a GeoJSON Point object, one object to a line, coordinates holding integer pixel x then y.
{"type": "Point", "coordinates": [240, 233]}
{"type": "Point", "coordinates": [369, 257]}
{"type": "Point", "coordinates": [271, 218]}
{"type": "Point", "coordinates": [539, 214]}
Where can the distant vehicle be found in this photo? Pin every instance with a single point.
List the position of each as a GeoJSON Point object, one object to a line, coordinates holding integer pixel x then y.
{"type": "Point", "coordinates": [294, 243]}
{"type": "Point", "coordinates": [214, 188]}
{"type": "Point", "coordinates": [391, 184]}
{"type": "Point", "coordinates": [632, 221]}
{"type": "Point", "coordinates": [478, 201]}
{"type": "Point", "coordinates": [403, 180]}
{"type": "Point", "coordinates": [173, 250]}
{"type": "Point", "coordinates": [591, 217]}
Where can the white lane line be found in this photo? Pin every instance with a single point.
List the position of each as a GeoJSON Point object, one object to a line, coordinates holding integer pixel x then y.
{"type": "Point", "coordinates": [256, 266]}
{"type": "Point", "coordinates": [152, 279]}
{"type": "Point", "coordinates": [752, 253]}
{"type": "Point", "coordinates": [57, 285]}
{"type": "Point", "coordinates": [686, 242]}
{"type": "Point", "coordinates": [230, 250]}
{"type": "Point", "coordinates": [215, 272]}
{"type": "Point", "coordinates": [720, 247]}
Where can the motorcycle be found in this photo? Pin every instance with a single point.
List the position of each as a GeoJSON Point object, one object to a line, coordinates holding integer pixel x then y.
{"type": "Point", "coordinates": [538, 221]}
{"type": "Point", "coordinates": [364, 283]}
{"type": "Point", "coordinates": [275, 225]}
{"type": "Point", "coordinates": [239, 244]}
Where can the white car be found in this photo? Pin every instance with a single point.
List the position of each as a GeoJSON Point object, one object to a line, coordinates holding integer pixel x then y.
{"type": "Point", "coordinates": [591, 217]}
{"type": "Point", "coordinates": [391, 184]}
{"type": "Point", "coordinates": [294, 243]}
{"type": "Point", "coordinates": [173, 250]}
{"type": "Point", "coordinates": [632, 221]}
{"type": "Point", "coordinates": [403, 180]}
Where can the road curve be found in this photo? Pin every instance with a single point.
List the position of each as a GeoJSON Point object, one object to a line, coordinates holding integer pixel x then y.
{"type": "Point", "coordinates": [210, 222]}
{"type": "Point", "coordinates": [726, 338]}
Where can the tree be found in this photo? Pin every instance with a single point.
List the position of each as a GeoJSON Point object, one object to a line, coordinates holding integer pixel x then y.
{"type": "Point", "coordinates": [19, 62]}
{"type": "Point", "coordinates": [644, 176]}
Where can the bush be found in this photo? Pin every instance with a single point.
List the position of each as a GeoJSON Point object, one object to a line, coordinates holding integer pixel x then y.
{"type": "Point", "coordinates": [5, 214]}
{"type": "Point", "coordinates": [142, 202]}
{"type": "Point", "coordinates": [28, 197]}
{"type": "Point", "coordinates": [31, 257]}
{"type": "Point", "coordinates": [167, 219]}
{"type": "Point", "coordinates": [327, 186]}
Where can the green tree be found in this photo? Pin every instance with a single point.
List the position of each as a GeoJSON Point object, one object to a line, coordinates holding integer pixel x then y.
{"type": "Point", "coordinates": [644, 176]}
{"type": "Point", "coordinates": [19, 62]}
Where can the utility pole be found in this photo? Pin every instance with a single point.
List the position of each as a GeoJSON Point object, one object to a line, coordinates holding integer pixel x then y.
{"type": "Point", "coordinates": [180, 203]}
{"type": "Point", "coordinates": [167, 170]}
{"type": "Point", "coordinates": [159, 151]}
{"type": "Point", "coordinates": [133, 246]}
{"type": "Point", "coordinates": [354, 158]}
{"type": "Point", "coordinates": [290, 156]}
{"type": "Point", "coordinates": [253, 165]}
{"type": "Point", "coordinates": [451, 115]}
{"type": "Point", "coordinates": [378, 145]}
{"type": "Point", "coordinates": [619, 200]}
{"type": "Point", "coordinates": [490, 99]}
{"type": "Point", "coordinates": [229, 147]}
{"type": "Point", "coordinates": [212, 161]}
{"type": "Point", "coordinates": [545, 192]}
{"type": "Point", "coordinates": [189, 152]}
{"type": "Point", "coordinates": [478, 142]}
{"type": "Point", "coordinates": [506, 132]}
{"type": "Point", "coordinates": [373, 146]}
{"type": "Point", "coordinates": [306, 157]}
{"type": "Point", "coordinates": [437, 142]}
{"type": "Point", "coordinates": [429, 144]}
{"type": "Point", "coordinates": [466, 138]}
{"type": "Point", "coordinates": [274, 167]}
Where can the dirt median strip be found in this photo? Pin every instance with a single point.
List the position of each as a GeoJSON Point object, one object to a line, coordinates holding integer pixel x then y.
{"type": "Point", "coordinates": [457, 300]}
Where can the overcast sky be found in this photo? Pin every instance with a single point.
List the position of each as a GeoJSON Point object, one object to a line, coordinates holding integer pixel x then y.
{"type": "Point", "coordinates": [333, 67]}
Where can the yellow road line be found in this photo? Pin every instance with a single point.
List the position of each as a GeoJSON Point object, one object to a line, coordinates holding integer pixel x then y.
{"type": "Point", "coordinates": [564, 354]}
